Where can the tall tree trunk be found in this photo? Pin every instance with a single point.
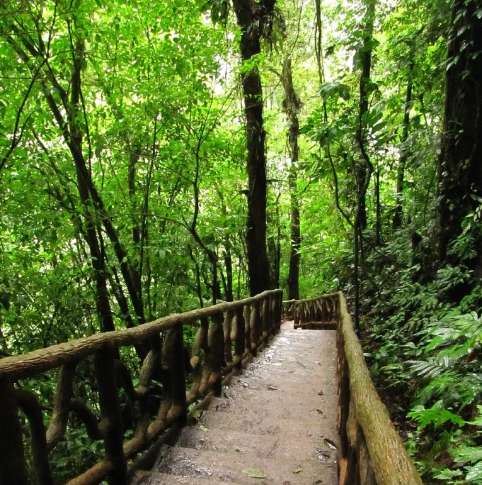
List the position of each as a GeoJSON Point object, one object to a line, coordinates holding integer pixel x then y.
{"type": "Point", "coordinates": [364, 167]}
{"type": "Point", "coordinates": [291, 106]}
{"type": "Point", "coordinates": [378, 208]}
{"type": "Point", "coordinates": [460, 162]}
{"type": "Point", "coordinates": [251, 17]}
{"type": "Point", "coordinates": [404, 150]}
{"type": "Point", "coordinates": [74, 141]}
{"type": "Point", "coordinates": [227, 252]}
{"type": "Point", "coordinates": [274, 246]}
{"type": "Point", "coordinates": [228, 264]}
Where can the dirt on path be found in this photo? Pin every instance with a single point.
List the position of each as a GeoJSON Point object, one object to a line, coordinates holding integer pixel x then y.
{"type": "Point", "coordinates": [275, 424]}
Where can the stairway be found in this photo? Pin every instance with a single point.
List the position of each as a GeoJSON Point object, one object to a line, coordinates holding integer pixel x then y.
{"type": "Point", "coordinates": [274, 424]}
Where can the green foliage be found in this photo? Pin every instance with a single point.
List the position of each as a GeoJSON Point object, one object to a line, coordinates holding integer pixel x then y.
{"type": "Point", "coordinates": [426, 358]}
{"type": "Point", "coordinates": [162, 133]}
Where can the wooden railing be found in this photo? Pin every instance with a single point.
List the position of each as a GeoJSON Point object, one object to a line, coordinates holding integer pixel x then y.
{"type": "Point", "coordinates": [319, 312]}
{"type": "Point", "coordinates": [132, 411]}
{"type": "Point", "coordinates": [371, 452]}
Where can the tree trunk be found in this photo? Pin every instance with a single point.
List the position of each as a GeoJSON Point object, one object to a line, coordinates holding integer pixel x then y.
{"type": "Point", "coordinates": [228, 264]}
{"type": "Point", "coordinates": [291, 106]}
{"type": "Point", "coordinates": [74, 141]}
{"type": "Point", "coordinates": [250, 17]}
{"type": "Point", "coordinates": [378, 210]}
{"type": "Point", "coordinates": [404, 151]}
{"type": "Point", "coordinates": [364, 168]}
{"type": "Point", "coordinates": [460, 162]}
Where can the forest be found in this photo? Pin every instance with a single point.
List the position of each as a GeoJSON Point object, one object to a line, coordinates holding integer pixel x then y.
{"type": "Point", "coordinates": [163, 155]}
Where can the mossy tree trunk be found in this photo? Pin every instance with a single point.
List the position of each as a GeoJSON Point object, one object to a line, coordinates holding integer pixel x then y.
{"type": "Point", "coordinates": [252, 18]}
{"type": "Point", "coordinates": [460, 162]}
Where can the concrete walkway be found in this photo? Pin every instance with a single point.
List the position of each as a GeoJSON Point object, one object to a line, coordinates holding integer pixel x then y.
{"type": "Point", "coordinates": [275, 424]}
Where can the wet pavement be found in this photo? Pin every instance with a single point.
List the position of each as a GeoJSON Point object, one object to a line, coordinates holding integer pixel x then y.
{"type": "Point", "coordinates": [275, 424]}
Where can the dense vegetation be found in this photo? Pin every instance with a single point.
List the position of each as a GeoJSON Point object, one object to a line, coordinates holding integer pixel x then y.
{"type": "Point", "coordinates": [159, 155]}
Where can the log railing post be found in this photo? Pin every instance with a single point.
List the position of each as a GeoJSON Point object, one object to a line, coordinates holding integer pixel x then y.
{"type": "Point", "coordinates": [177, 375]}
{"type": "Point", "coordinates": [296, 314]}
{"type": "Point", "coordinates": [264, 319]}
{"type": "Point", "coordinates": [270, 303]}
{"type": "Point", "coordinates": [240, 338]}
{"type": "Point", "coordinates": [247, 327]}
{"type": "Point", "coordinates": [227, 324]}
{"type": "Point", "coordinates": [279, 309]}
{"type": "Point", "coordinates": [216, 353]}
{"type": "Point", "coordinates": [12, 458]}
{"type": "Point", "coordinates": [112, 428]}
{"type": "Point", "coordinates": [198, 351]}
{"type": "Point", "coordinates": [254, 327]}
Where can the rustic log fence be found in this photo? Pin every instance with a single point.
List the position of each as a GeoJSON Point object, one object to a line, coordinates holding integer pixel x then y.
{"type": "Point", "coordinates": [227, 335]}
{"type": "Point", "coordinates": [319, 312]}
{"type": "Point", "coordinates": [372, 452]}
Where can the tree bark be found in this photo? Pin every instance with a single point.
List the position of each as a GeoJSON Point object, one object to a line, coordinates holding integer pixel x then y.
{"type": "Point", "coordinates": [291, 106]}
{"type": "Point", "coordinates": [74, 141]}
{"type": "Point", "coordinates": [404, 151]}
{"type": "Point", "coordinates": [460, 162]}
{"type": "Point", "coordinates": [251, 17]}
{"type": "Point", "coordinates": [364, 167]}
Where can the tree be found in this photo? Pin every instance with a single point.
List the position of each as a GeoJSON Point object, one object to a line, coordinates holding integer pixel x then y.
{"type": "Point", "coordinates": [404, 149]}
{"type": "Point", "coordinates": [254, 19]}
{"type": "Point", "coordinates": [460, 162]}
{"type": "Point", "coordinates": [364, 167]}
{"type": "Point", "coordinates": [291, 106]}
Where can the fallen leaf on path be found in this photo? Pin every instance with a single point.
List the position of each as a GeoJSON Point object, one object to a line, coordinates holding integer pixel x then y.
{"type": "Point", "coordinates": [196, 413]}
{"type": "Point", "coordinates": [319, 411]}
{"type": "Point", "coordinates": [298, 470]}
{"type": "Point", "coordinates": [203, 428]}
{"type": "Point", "coordinates": [272, 388]}
{"type": "Point", "coordinates": [330, 443]}
{"type": "Point", "coordinates": [254, 473]}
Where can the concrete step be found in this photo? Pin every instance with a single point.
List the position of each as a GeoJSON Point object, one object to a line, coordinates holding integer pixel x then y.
{"type": "Point", "coordinates": [244, 468]}
{"type": "Point", "coordinates": [290, 445]}
{"type": "Point", "coordinates": [157, 478]}
{"type": "Point", "coordinates": [267, 407]}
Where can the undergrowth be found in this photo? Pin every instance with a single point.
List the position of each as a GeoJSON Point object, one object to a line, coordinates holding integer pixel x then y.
{"type": "Point", "coordinates": [424, 352]}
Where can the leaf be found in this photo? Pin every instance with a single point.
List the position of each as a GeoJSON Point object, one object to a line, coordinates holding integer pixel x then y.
{"type": "Point", "coordinates": [335, 90]}
{"type": "Point", "coordinates": [254, 473]}
{"type": "Point", "coordinates": [474, 474]}
{"type": "Point", "coordinates": [436, 415]}
{"type": "Point", "coordinates": [331, 444]}
{"type": "Point", "coordinates": [478, 420]}
{"type": "Point", "coordinates": [468, 454]}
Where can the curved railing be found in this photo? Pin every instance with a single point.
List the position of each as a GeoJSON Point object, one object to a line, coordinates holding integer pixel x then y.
{"type": "Point", "coordinates": [371, 452]}
{"type": "Point", "coordinates": [133, 411]}
{"type": "Point", "coordinates": [319, 312]}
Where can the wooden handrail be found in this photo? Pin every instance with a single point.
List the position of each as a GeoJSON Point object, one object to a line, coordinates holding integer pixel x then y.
{"type": "Point", "coordinates": [318, 312]}
{"type": "Point", "coordinates": [227, 335]}
{"type": "Point", "coordinates": [41, 360]}
{"type": "Point", "coordinates": [372, 451]}
{"type": "Point", "coordinates": [388, 458]}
